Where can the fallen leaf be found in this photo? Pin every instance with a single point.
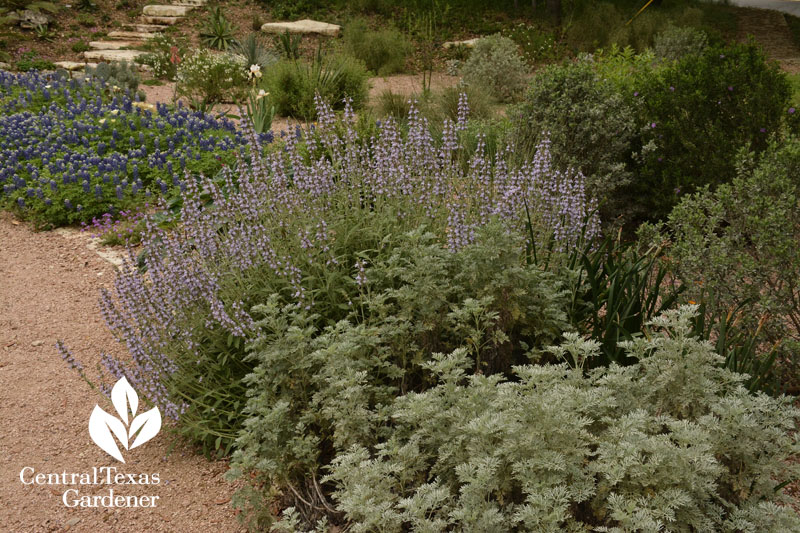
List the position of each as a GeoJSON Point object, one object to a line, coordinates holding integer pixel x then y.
{"type": "Point", "coordinates": [222, 501]}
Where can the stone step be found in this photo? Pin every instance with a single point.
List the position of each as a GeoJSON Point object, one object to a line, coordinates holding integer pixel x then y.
{"type": "Point", "coordinates": [73, 65]}
{"type": "Point", "coordinates": [169, 21]}
{"type": "Point", "coordinates": [145, 28]}
{"type": "Point", "coordinates": [304, 26]}
{"type": "Point", "coordinates": [167, 11]}
{"type": "Point", "coordinates": [112, 45]}
{"type": "Point", "coordinates": [469, 43]}
{"type": "Point", "coordinates": [130, 35]}
{"type": "Point", "coordinates": [113, 55]}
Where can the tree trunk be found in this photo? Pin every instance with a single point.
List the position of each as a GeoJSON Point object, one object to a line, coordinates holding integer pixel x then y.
{"type": "Point", "coordinates": [554, 9]}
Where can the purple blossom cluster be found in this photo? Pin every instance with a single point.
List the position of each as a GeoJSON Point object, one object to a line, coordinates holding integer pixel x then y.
{"type": "Point", "coordinates": [117, 229]}
{"type": "Point", "coordinates": [270, 215]}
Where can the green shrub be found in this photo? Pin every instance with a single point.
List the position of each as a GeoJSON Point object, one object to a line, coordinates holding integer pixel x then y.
{"type": "Point", "coordinates": [590, 126]}
{"type": "Point", "coordinates": [696, 115]}
{"type": "Point", "coordinates": [391, 104]}
{"type": "Point", "coordinates": [536, 44]}
{"type": "Point", "coordinates": [31, 61]}
{"type": "Point", "coordinates": [205, 79]}
{"type": "Point", "coordinates": [592, 27]}
{"type": "Point", "coordinates": [383, 51]}
{"type": "Point", "coordinates": [493, 134]}
{"type": "Point", "coordinates": [496, 65]}
{"type": "Point", "coordinates": [293, 84]}
{"type": "Point", "coordinates": [444, 103]}
{"type": "Point", "coordinates": [80, 46]}
{"type": "Point", "coordinates": [86, 20]}
{"type": "Point", "coordinates": [736, 249]}
{"type": "Point", "coordinates": [674, 43]}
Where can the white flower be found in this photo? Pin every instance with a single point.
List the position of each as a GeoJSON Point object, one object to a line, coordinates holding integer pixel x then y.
{"type": "Point", "coordinates": [261, 94]}
{"type": "Point", "coordinates": [255, 71]}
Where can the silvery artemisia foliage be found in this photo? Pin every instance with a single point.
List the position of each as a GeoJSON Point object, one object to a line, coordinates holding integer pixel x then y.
{"type": "Point", "coordinates": [269, 215]}
{"type": "Point", "coordinates": [672, 443]}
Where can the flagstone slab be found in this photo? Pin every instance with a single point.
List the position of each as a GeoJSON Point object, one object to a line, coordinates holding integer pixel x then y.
{"type": "Point", "coordinates": [144, 28]}
{"type": "Point", "coordinates": [469, 43]}
{"type": "Point", "coordinates": [132, 35]}
{"type": "Point", "coordinates": [73, 65]}
{"type": "Point", "coordinates": [168, 21]}
{"type": "Point", "coordinates": [304, 26]}
{"type": "Point", "coordinates": [111, 45]}
{"type": "Point", "coordinates": [113, 55]}
{"type": "Point", "coordinates": [167, 11]}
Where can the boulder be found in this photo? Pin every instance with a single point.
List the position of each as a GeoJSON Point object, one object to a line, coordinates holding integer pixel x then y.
{"type": "Point", "coordinates": [31, 19]}
{"type": "Point", "coordinates": [304, 26]}
{"type": "Point", "coordinates": [4, 66]}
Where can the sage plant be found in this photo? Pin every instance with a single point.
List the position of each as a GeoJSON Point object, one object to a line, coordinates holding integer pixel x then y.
{"type": "Point", "coordinates": [279, 223]}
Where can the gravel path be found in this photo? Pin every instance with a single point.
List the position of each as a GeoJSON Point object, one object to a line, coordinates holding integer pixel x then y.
{"type": "Point", "coordinates": [49, 284]}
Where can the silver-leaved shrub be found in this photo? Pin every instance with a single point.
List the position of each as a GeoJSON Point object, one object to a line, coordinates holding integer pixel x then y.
{"type": "Point", "coordinates": [672, 443]}
{"type": "Point", "coordinates": [496, 65]}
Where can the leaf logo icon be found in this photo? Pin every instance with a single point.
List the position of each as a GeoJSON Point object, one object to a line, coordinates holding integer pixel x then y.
{"type": "Point", "coordinates": [103, 427]}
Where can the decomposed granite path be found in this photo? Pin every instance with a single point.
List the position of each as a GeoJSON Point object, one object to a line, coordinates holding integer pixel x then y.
{"type": "Point", "coordinates": [49, 284]}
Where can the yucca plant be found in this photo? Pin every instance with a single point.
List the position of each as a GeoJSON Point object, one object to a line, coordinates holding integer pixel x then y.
{"type": "Point", "coordinates": [289, 45]}
{"type": "Point", "coordinates": [255, 52]}
{"type": "Point", "coordinates": [43, 33]}
{"type": "Point", "coordinates": [218, 31]}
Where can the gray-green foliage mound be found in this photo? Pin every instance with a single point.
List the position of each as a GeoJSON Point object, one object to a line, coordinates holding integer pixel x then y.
{"type": "Point", "coordinates": [422, 412]}
{"type": "Point", "coordinates": [496, 65]}
{"type": "Point", "coordinates": [589, 124]}
{"type": "Point", "coordinates": [673, 443]}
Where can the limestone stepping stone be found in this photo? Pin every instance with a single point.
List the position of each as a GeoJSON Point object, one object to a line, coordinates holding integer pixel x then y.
{"type": "Point", "coordinates": [73, 65]}
{"type": "Point", "coordinates": [130, 35]}
{"type": "Point", "coordinates": [304, 26]}
{"type": "Point", "coordinates": [113, 55]}
{"type": "Point", "coordinates": [144, 28]}
{"type": "Point", "coordinates": [169, 21]}
{"type": "Point", "coordinates": [112, 45]}
{"type": "Point", "coordinates": [167, 11]}
{"type": "Point", "coordinates": [469, 43]}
